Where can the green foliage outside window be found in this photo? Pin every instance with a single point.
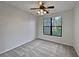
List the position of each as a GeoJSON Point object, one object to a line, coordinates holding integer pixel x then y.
{"type": "Point", "coordinates": [52, 26]}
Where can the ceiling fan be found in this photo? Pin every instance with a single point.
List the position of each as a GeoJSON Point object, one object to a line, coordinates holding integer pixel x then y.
{"type": "Point", "coordinates": [42, 9]}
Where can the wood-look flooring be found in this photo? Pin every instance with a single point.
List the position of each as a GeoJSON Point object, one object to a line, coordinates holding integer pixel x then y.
{"type": "Point", "coordinates": [41, 48]}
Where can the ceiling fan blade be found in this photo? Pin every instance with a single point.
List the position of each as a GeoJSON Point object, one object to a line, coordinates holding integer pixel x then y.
{"type": "Point", "coordinates": [34, 8]}
{"type": "Point", "coordinates": [40, 3]}
{"type": "Point", "coordinates": [50, 7]}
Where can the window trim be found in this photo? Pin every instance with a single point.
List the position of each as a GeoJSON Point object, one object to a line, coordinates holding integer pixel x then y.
{"type": "Point", "coordinates": [52, 26]}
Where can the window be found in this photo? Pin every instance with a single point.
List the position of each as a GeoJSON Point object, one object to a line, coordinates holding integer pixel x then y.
{"type": "Point", "coordinates": [52, 26]}
{"type": "Point", "coordinates": [47, 25]}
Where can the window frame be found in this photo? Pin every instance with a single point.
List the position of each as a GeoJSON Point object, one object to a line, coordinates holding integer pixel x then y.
{"type": "Point", "coordinates": [51, 27]}
{"type": "Point", "coordinates": [47, 26]}
{"type": "Point", "coordinates": [58, 26]}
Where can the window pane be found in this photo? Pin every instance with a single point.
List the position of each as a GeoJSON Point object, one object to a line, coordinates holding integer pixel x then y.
{"type": "Point", "coordinates": [57, 31]}
{"type": "Point", "coordinates": [57, 21]}
{"type": "Point", "coordinates": [46, 30]}
{"type": "Point", "coordinates": [47, 21]}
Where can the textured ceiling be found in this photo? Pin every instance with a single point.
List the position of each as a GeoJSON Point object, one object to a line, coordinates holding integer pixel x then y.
{"type": "Point", "coordinates": [26, 5]}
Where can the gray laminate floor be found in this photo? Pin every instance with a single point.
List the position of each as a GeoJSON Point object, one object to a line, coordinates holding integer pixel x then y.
{"type": "Point", "coordinates": [41, 48]}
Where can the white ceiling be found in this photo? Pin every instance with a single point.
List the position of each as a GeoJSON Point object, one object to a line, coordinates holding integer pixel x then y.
{"type": "Point", "coordinates": [26, 5]}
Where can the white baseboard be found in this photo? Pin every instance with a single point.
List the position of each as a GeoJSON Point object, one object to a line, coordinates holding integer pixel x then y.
{"type": "Point", "coordinates": [14, 47]}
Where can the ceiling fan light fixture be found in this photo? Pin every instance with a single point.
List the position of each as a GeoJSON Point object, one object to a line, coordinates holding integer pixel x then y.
{"type": "Point", "coordinates": [38, 12]}
{"type": "Point", "coordinates": [42, 12]}
{"type": "Point", "coordinates": [45, 12]}
{"type": "Point", "coordinates": [42, 9]}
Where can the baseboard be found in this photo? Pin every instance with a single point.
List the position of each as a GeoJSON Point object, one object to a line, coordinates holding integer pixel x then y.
{"type": "Point", "coordinates": [61, 44]}
{"type": "Point", "coordinates": [15, 47]}
{"type": "Point", "coordinates": [55, 42]}
{"type": "Point", "coordinates": [76, 51]}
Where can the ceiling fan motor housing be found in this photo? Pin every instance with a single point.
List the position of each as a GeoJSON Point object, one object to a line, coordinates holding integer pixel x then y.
{"type": "Point", "coordinates": [42, 7]}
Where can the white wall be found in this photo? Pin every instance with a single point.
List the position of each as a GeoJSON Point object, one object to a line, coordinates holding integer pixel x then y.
{"type": "Point", "coordinates": [76, 28]}
{"type": "Point", "coordinates": [66, 29]}
{"type": "Point", "coordinates": [16, 27]}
